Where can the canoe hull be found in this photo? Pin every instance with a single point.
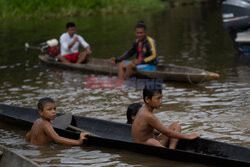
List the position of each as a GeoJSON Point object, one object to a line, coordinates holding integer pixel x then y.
{"type": "Point", "coordinates": [170, 73]}
{"type": "Point", "coordinates": [118, 135]}
{"type": "Point", "coordinates": [176, 155]}
{"type": "Point", "coordinates": [12, 159]}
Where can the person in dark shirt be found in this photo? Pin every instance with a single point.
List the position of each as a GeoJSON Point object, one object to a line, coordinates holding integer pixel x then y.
{"type": "Point", "coordinates": [146, 55]}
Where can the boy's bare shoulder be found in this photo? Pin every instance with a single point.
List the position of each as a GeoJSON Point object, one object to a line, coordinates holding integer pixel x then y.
{"type": "Point", "coordinates": [47, 123]}
{"type": "Point", "coordinates": [146, 114]}
{"type": "Point", "coordinates": [37, 122]}
{"type": "Point", "coordinates": [42, 123]}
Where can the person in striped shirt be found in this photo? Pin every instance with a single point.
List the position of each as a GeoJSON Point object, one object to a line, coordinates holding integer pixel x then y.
{"type": "Point", "coordinates": [146, 54]}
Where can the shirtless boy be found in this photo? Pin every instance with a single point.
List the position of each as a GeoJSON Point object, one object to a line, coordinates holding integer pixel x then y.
{"type": "Point", "coordinates": [146, 122]}
{"type": "Point", "coordinates": [42, 132]}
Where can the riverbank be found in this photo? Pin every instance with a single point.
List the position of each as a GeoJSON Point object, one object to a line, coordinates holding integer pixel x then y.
{"type": "Point", "coordinates": [30, 9]}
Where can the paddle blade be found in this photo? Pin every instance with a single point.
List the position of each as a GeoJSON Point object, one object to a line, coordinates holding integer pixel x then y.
{"type": "Point", "coordinates": [62, 122]}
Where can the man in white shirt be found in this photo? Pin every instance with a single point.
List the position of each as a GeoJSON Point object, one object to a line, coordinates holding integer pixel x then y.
{"type": "Point", "coordinates": [69, 42]}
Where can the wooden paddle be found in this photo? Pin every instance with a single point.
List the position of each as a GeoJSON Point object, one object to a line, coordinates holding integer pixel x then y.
{"type": "Point", "coordinates": [64, 122]}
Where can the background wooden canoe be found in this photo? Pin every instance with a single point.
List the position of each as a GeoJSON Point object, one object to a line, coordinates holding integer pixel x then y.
{"type": "Point", "coordinates": [170, 73]}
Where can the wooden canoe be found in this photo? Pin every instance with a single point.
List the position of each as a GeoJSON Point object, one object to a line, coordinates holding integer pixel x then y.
{"type": "Point", "coordinates": [118, 135]}
{"type": "Point", "coordinates": [166, 72]}
{"type": "Point", "coordinates": [9, 158]}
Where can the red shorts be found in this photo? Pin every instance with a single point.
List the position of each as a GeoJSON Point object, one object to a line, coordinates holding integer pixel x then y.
{"type": "Point", "coordinates": [72, 57]}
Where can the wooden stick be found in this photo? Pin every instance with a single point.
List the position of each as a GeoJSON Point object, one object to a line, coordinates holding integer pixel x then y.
{"type": "Point", "coordinates": [1, 153]}
{"type": "Point", "coordinates": [81, 130]}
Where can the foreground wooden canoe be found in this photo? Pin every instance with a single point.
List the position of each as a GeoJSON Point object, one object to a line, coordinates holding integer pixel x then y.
{"type": "Point", "coordinates": [9, 158]}
{"type": "Point", "coordinates": [118, 135]}
{"type": "Point", "coordinates": [166, 72]}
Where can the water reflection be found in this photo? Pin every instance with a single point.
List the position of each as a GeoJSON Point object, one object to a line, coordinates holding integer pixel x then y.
{"type": "Point", "coordinates": [192, 36]}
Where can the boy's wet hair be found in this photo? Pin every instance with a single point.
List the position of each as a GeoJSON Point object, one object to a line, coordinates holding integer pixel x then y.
{"type": "Point", "coordinates": [132, 111]}
{"type": "Point", "coordinates": [41, 103]}
{"type": "Point", "coordinates": [141, 24]}
{"type": "Point", "coordinates": [70, 24]}
{"type": "Point", "coordinates": [149, 92]}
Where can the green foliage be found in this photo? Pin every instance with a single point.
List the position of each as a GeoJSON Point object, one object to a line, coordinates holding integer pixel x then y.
{"type": "Point", "coordinates": [64, 8]}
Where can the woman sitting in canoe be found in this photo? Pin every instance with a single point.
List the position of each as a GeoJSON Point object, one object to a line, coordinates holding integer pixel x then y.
{"type": "Point", "coordinates": [42, 131]}
{"type": "Point", "coordinates": [146, 54]}
{"type": "Point", "coordinates": [146, 122]}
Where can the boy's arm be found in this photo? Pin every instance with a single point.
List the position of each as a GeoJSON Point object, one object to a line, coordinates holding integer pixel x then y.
{"type": "Point", "coordinates": [49, 130]}
{"type": "Point", "coordinates": [28, 136]}
{"type": "Point", "coordinates": [156, 132]}
{"type": "Point", "coordinates": [155, 123]}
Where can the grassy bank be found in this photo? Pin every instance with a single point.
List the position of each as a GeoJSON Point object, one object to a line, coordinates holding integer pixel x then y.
{"type": "Point", "coordinates": [189, 2]}
{"type": "Point", "coordinates": [68, 8]}
{"type": "Point", "coordinates": [41, 9]}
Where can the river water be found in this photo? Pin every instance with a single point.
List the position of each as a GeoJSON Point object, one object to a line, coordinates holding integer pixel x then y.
{"type": "Point", "coordinates": [191, 35]}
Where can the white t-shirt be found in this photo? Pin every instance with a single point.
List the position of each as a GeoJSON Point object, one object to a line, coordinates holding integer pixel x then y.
{"type": "Point", "coordinates": [66, 39]}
